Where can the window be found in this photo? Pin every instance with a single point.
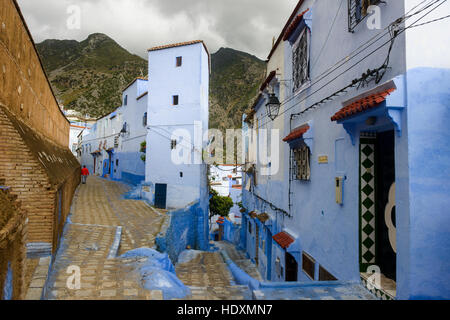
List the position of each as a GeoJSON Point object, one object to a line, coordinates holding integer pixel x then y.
{"type": "Point", "coordinates": [175, 100]}
{"type": "Point", "coordinates": [173, 144]}
{"type": "Point", "coordinates": [324, 275]}
{"type": "Point", "coordinates": [249, 228]}
{"type": "Point", "coordinates": [117, 162]}
{"type": "Point", "coordinates": [144, 120]}
{"type": "Point", "coordinates": [301, 164]}
{"type": "Point", "coordinates": [125, 101]}
{"type": "Point", "coordinates": [181, 174]}
{"type": "Point", "coordinates": [179, 61]}
{"type": "Point", "coordinates": [300, 60]}
{"type": "Point", "coordinates": [308, 265]}
{"type": "Point", "coordinates": [357, 11]}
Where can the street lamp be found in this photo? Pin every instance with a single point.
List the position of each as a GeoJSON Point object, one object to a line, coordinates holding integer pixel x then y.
{"type": "Point", "coordinates": [273, 107]}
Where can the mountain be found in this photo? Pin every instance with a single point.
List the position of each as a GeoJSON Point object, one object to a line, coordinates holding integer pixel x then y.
{"type": "Point", "coordinates": [235, 79]}
{"type": "Point", "coordinates": [88, 77]}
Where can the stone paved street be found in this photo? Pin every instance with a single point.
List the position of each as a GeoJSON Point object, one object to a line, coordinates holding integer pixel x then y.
{"type": "Point", "coordinates": [97, 212]}
{"type": "Point", "coordinates": [209, 278]}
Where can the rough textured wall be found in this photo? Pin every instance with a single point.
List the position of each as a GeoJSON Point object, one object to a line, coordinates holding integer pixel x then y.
{"type": "Point", "coordinates": [27, 179]}
{"type": "Point", "coordinates": [36, 169]}
{"type": "Point", "coordinates": [24, 87]}
{"type": "Point", "coordinates": [183, 228]}
{"type": "Point", "coordinates": [13, 233]}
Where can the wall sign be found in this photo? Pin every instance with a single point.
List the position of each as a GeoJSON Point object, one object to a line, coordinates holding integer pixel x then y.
{"type": "Point", "coordinates": [323, 159]}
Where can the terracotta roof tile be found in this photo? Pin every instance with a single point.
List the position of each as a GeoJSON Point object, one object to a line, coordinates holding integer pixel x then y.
{"type": "Point", "coordinates": [362, 105]}
{"type": "Point", "coordinates": [297, 133]}
{"type": "Point", "coordinates": [180, 44]}
{"type": "Point", "coordinates": [284, 239]}
{"type": "Point", "coordinates": [173, 45]}
{"type": "Point", "coordinates": [294, 25]}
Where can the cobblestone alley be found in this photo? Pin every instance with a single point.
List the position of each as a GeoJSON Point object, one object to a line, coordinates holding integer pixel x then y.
{"type": "Point", "coordinates": [98, 212]}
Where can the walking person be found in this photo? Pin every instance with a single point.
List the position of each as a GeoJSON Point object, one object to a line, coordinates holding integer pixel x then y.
{"type": "Point", "coordinates": [84, 174]}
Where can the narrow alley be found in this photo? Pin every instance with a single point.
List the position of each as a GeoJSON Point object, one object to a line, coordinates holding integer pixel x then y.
{"type": "Point", "coordinates": [99, 214]}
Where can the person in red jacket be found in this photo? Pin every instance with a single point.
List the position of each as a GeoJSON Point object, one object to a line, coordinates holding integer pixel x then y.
{"type": "Point", "coordinates": [84, 174]}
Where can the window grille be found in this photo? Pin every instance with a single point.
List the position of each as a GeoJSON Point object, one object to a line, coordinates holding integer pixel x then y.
{"type": "Point", "coordinates": [301, 164]}
{"type": "Point", "coordinates": [173, 144]}
{"type": "Point", "coordinates": [300, 61]}
{"type": "Point", "coordinates": [357, 11]}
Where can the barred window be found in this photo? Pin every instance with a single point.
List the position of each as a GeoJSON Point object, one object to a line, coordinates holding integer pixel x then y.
{"type": "Point", "coordinates": [300, 60]}
{"type": "Point", "coordinates": [301, 164]}
{"type": "Point", "coordinates": [357, 11]}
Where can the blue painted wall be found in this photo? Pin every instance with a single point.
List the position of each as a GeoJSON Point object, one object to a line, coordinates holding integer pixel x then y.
{"type": "Point", "coordinates": [186, 228]}
{"type": "Point", "coordinates": [330, 232]}
{"type": "Point", "coordinates": [428, 117]}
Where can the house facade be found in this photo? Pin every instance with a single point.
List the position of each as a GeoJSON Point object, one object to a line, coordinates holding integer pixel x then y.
{"type": "Point", "coordinates": [354, 185]}
{"type": "Point", "coordinates": [177, 119]}
{"type": "Point", "coordinates": [114, 147]}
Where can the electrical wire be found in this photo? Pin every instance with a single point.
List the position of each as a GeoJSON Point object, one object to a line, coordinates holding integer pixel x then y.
{"type": "Point", "coordinates": [369, 54]}
{"type": "Point", "coordinates": [359, 50]}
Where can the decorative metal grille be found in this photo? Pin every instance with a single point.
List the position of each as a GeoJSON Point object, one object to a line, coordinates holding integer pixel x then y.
{"type": "Point", "coordinates": [301, 164]}
{"type": "Point", "coordinates": [357, 11]}
{"type": "Point", "coordinates": [300, 61]}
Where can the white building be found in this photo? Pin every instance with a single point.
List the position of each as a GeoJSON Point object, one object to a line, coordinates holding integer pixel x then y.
{"type": "Point", "coordinates": [177, 118]}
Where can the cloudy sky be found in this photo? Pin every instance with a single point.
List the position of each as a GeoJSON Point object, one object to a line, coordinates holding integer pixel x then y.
{"type": "Point", "coordinates": [247, 25]}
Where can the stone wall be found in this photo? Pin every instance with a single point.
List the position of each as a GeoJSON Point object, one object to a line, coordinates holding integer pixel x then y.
{"type": "Point", "coordinates": [40, 173]}
{"type": "Point", "coordinates": [35, 161]}
{"type": "Point", "coordinates": [24, 174]}
{"type": "Point", "coordinates": [24, 87]}
{"type": "Point", "coordinates": [13, 233]}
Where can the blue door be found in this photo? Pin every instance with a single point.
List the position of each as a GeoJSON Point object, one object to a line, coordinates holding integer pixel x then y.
{"type": "Point", "coordinates": [160, 195]}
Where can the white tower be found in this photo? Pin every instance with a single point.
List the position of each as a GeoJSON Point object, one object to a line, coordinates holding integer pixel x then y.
{"type": "Point", "coordinates": [178, 107]}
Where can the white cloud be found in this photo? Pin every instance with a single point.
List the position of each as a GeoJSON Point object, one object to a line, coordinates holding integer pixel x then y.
{"type": "Point", "coordinates": [139, 24]}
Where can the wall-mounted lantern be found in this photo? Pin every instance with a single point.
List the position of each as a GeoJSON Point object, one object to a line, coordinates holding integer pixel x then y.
{"type": "Point", "coordinates": [273, 107]}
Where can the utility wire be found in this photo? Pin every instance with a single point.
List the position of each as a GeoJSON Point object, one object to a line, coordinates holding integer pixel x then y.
{"type": "Point", "coordinates": [361, 49]}
{"type": "Point", "coordinates": [369, 54]}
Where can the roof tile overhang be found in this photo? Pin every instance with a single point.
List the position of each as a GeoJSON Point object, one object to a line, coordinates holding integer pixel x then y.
{"type": "Point", "coordinates": [268, 80]}
{"type": "Point", "coordinates": [293, 26]}
{"type": "Point", "coordinates": [362, 105]}
{"type": "Point", "coordinates": [297, 133]}
{"type": "Point", "coordinates": [284, 239]}
{"type": "Point", "coordinates": [182, 44]}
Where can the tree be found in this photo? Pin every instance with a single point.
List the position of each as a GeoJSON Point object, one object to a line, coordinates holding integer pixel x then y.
{"type": "Point", "coordinates": [219, 205]}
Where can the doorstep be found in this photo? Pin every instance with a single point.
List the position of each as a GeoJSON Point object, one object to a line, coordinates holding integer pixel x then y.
{"type": "Point", "coordinates": [387, 289]}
